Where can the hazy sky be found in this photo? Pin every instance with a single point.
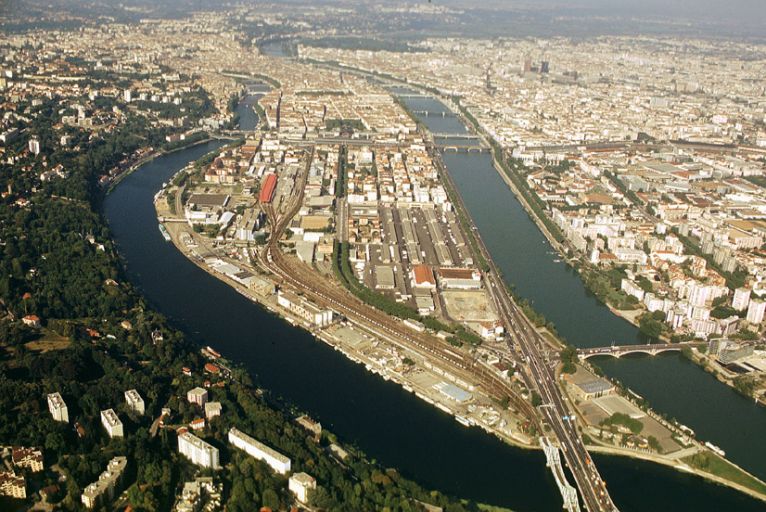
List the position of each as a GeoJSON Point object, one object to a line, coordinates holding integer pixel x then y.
{"type": "Point", "coordinates": [746, 10]}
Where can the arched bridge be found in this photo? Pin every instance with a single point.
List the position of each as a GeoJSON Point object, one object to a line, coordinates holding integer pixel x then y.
{"type": "Point", "coordinates": [649, 349]}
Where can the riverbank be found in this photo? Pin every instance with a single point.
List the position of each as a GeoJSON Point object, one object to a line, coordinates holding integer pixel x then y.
{"type": "Point", "coordinates": [402, 379]}
{"type": "Point", "coordinates": [419, 377]}
{"type": "Point", "coordinates": [156, 154]}
{"type": "Point", "coordinates": [686, 468]}
{"type": "Point", "coordinates": [624, 314]}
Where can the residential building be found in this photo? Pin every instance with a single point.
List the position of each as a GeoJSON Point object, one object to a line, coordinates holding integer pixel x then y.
{"type": "Point", "coordinates": [755, 311]}
{"type": "Point", "coordinates": [200, 495]}
{"type": "Point", "coordinates": [58, 408]}
{"type": "Point", "coordinates": [29, 458]}
{"type": "Point", "coordinates": [198, 451]}
{"type": "Point", "coordinates": [254, 448]}
{"type": "Point", "coordinates": [31, 320]}
{"type": "Point", "coordinates": [741, 298]}
{"type": "Point", "coordinates": [197, 396]}
{"type": "Point", "coordinates": [102, 491]}
{"type": "Point", "coordinates": [12, 485]}
{"type": "Point", "coordinates": [212, 409]}
{"type": "Point", "coordinates": [134, 401]}
{"type": "Point", "coordinates": [34, 146]}
{"type": "Point", "coordinates": [309, 424]}
{"type": "Point", "coordinates": [300, 484]}
{"type": "Point", "coordinates": [112, 423]}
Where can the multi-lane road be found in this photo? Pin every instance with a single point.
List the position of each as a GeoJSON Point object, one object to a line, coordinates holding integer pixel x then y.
{"type": "Point", "coordinates": [324, 293]}
{"type": "Point", "coordinates": [523, 337]}
{"type": "Point", "coordinates": [540, 376]}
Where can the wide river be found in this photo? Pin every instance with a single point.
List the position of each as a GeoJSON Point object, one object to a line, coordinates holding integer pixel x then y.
{"type": "Point", "coordinates": [389, 424]}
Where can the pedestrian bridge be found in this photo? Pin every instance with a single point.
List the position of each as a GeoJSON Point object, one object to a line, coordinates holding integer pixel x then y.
{"type": "Point", "coordinates": [649, 349]}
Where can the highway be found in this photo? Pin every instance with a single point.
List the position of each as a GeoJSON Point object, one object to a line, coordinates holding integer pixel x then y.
{"type": "Point", "coordinates": [540, 376]}
{"type": "Point", "coordinates": [523, 337]}
{"type": "Point", "coordinates": [319, 290]}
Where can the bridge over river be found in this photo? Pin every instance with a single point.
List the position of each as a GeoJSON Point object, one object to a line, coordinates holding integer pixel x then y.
{"type": "Point", "coordinates": [651, 349]}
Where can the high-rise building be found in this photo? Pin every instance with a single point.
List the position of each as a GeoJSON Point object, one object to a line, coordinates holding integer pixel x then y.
{"type": "Point", "coordinates": [526, 66]}
{"type": "Point", "coordinates": [544, 67]}
{"type": "Point", "coordinates": [134, 401]}
{"type": "Point", "coordinates": [741, 298]}
{"type": "Point", "coordinates": [300, 484]}
{"type": "Point", "coordinates": [127, 95]}
{"type": "Point", "coordinates": [755, 311]}
{"type": "Point", "coordinates": [102, 490]}
{"type": "Point", "coordinates": [34, 146]}
{"type": "Point", "coordinates": [198, 451]}
{"type": "Point", "coordinates": [58, 408]}
{"type": "Point", "coordinates": [111, 423]}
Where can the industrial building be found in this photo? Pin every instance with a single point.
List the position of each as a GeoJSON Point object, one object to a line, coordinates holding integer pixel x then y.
{"type": "Point", "coordinates": [459, 278]}
{"type": "Point", "coordinates": [304, 309]}
{"type": "Point", "coordinates": [268, 188]}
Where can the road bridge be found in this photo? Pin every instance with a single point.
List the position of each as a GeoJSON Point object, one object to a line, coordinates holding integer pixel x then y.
{"type": "Point", "coordinates": [524, 339]}
{"type": "Point", "coordinates": [428, 113]}
{"type": "Point", "coordinates": [553, 461]}
{"type": "Point", "coordinates": [651, 349]}
{"type": "Point", "coordinates": [412, 96]}
{"type": "Point", "coordinates": [463, 148]}
{"type": "Point", "coordinates": [454, 136]}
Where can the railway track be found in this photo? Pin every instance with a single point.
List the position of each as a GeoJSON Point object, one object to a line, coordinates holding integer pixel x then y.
{"type": "Point", "coordinates": [305, 280]}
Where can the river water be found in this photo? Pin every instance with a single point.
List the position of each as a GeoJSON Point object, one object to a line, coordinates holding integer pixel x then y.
{"type": "Point", "coordinates": [389, 424]}
{"type": "Point", "coordinates": [672, 384]}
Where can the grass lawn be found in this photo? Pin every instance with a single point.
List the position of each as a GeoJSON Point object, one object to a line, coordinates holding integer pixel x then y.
{"type": "Point", "coordinates": [715, 465]}
{"type": "Point", "coordinates": [48, 341]}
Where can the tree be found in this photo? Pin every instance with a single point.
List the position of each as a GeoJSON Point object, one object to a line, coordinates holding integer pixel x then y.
{"type": "Point", "coordinates": [652, 324]}
{"type": "Point", "coordinates": [569, 359]}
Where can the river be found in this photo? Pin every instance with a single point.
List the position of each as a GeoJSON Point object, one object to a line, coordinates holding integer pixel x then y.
{"type": "Point", "coordinates": [389, 424]}
{"type": "Point", "coordinates": [672, 384]}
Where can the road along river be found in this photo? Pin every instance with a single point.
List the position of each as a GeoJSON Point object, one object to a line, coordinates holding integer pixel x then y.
{"type": "Point", "coordinates": [386, 422]}
{"type": "Point", "coordinates": [672, 384]}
